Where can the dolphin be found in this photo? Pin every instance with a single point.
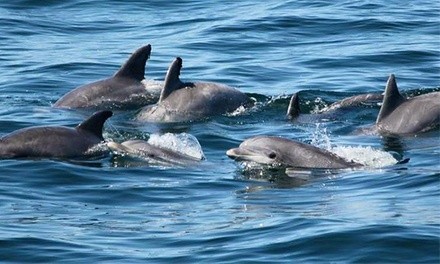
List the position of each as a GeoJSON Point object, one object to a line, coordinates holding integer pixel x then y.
{"type": "Point", "coordinates": [126, 88]}
{"type": "Point", "coordinates": [154, 154]}
{"type": "Point", "coordinates": [190, 101]}
{"type": "Point", "coordinates": [401, 116]}
{"type": "Point", "coordinates": [293, 110]}
{"type": "Point", "coordinates": [56, 141]}
{"type": "Point", "coordinates": [289, 153]}
{"type": "Point", "coordinates": [354, 101]}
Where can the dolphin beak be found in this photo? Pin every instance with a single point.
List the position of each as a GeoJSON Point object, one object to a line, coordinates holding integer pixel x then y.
{"type": "Point", "coordinates": [244, 154]}
{"type": "Point", "coordinates": [233, 153]}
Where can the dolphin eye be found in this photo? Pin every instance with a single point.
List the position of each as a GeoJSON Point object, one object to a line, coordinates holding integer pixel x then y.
{"type": "Point", "coordinates": [272, 155]}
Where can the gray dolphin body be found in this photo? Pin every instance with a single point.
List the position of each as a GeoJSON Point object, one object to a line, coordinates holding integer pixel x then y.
{"type": "Point", "coordinates": [126, 88]}
{"type": "Point", "coordinates": [293, 110]}
{"type": "Point", "coordinates": [154, 154]}
{"type": "Point", "coordinates": [183, 102]}
{"type": "Point", "coordinates": [401, 116]}
{"type": "Point", "coordinates": [354, 101]}
{"type": "Point", "coordinates": [289, 153]}
{"type": "Point", "coordinates": [54, 142]}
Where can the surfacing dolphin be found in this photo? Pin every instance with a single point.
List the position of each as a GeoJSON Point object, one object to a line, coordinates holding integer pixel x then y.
{"type": "Point", "coordinates": [401, 116]}
{"type": "Point", "coordinates": [354, 101]}
{"type": "Point", "coordinates": [191, 101]}
{"type": "Point", "coordinates": [293, 110]}
{"type": "Point", "coordinates": [154, 154]}
{"type": "Point", "coordinates": [126, 88]}
{"type": "Point", "coordinates": [56, 141]}
{"type": "Point", "coordinates": [289, 153]}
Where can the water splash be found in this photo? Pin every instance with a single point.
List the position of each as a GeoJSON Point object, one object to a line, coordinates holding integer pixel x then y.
{"type": "Point", "coordinates": [153, 86]}
{"type": "Point", "coordinates": [319, 104]}
{"type": "Point", "coordinates": [243, 110]}
{"type": "Point", "coordinates": [364, 155]}
{"type": "Point", "coordinates": [183, 143]}
{"type": "Point", "coordinates": [320, 137]}
{"type": "Point", "coordinates": [367, 156]}
{"type": "Point", "coordinates": [98, 149]}
{"type": "Point", "coordinates": [239, 111]}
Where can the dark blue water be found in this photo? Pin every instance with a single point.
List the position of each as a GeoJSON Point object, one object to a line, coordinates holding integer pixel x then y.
{"type": "Point", "coordinates": [106, 210]}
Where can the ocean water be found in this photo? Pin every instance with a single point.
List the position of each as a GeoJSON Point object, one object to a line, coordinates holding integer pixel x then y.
{"type": "Point", "coordinates": [114, 210]}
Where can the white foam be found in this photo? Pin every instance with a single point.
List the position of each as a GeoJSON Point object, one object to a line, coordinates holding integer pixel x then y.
{"type": "Point", "coordinates": [183, 143]}
{"type": "Point", "coordinates": [240, 110]}
{"type": "Point", "coordinates": [97, 149]}
{"type": "Point", "coordinates": [153, 84]}
{"type": "Point", "coordinates": [319, 104]}
{"type": "Point", "coordinates": [367, 156]}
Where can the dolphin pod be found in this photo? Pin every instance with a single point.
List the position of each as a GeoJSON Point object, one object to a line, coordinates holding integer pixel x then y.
{"type": "Point", "coordinates": [177, 101]}
{"type": "Point", "coordinates": [397, 116]}
{"type": "Point", "coordinates": [190, 101]}
{"type": "Point", "coordinates": [55, 142]}
{"type": "Point", "coordinates": [126, 88]}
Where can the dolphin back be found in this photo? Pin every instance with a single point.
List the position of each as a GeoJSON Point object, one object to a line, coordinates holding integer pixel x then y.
{"type": "Point", "coordinates": [134, 67]}
{"type": "Point", "coordinates": [95, 123]}
{"type": "Point", "coordinates": [391, 100]}
{"type": "Point", "coordinates": [293, 109]}
{"type": "Point", "coordinates": [172, 80]}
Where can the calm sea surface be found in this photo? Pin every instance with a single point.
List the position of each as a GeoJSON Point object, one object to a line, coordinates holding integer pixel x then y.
{"type": "Point", "coordinates": [113, 210]}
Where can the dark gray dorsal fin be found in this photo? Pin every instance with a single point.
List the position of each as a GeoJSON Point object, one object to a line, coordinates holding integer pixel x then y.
{"type": "Point", "coordinates": [134, 67]}
{"type": "Point", "coordinates": [391, 98]}
{"type": "Point", "coordinates": [172, 80]}
{"type": "Point", "coordinates": [95, 123]}
{"type": "Point", "coordinates": [293, 109]}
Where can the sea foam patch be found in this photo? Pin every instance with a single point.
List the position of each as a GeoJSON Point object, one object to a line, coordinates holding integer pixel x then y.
{"type": "Point", "coordinates": [366, 156]}
{"type": "Point", "coordinates": [183, 143]}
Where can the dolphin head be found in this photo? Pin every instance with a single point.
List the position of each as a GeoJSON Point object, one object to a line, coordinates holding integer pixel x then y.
{"type": "Point", "coordinates": [263, 150]}
{"type": "Point", "coordinates": [285, 152]}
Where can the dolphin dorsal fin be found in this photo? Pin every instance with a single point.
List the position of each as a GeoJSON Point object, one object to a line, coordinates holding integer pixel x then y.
{"type": "Point", "coordinates": [172, 80]}
{"type": "Point", "coordinates": [293, 109]}
{"type": "Point", "coordinates": [134, 67]}
{"type": "Point", "coordinates": [391, 99]}
{"type": "Point", "coordinates": [95, 123]}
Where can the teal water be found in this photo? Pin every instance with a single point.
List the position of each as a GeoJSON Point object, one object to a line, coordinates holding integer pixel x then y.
{"type": "Point", "coordinates": [111, 210]}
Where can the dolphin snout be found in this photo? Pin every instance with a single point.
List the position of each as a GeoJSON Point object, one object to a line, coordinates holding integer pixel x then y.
{"type": "Point", "coordinates": [232, 153]}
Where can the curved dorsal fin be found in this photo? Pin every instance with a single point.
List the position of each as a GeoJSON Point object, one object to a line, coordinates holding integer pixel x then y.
{"type": "Point", "coordinates": [172, 80]}
{"type": "Point", "coordinates": [391, 98]}
{"type": "Point", "coordinates": [293, 109]}
{"type": "Point", "coordinates": [134, 67]}
{"type": "Point", "coordinates": [95, 123]}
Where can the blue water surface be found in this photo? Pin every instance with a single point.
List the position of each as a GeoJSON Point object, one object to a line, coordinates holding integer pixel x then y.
{"type": "Point", "coordinates": [110, 210]}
